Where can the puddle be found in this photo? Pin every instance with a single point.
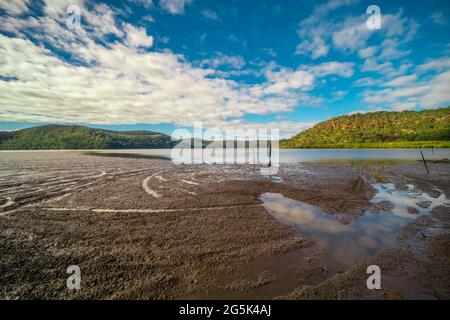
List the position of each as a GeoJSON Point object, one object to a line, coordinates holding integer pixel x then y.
{"type": "Point", "coordinates": [420, 202]}
{"type": "Point", "coordinates": [343, 245]}
{"type": "Point", "coordinates": [275, 179]}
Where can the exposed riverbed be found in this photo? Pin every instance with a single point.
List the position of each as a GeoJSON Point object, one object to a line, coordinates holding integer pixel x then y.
{"type": "Point", "coordinates": [144, 228]}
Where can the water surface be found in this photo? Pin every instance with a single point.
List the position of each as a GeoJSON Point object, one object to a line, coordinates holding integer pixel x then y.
{"type": "Point", "coordinates": [344, 245]}
{"type": "Point", "coordinates": [303, 155]}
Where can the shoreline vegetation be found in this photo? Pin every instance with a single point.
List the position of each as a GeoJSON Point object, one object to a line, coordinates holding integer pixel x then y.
{"type": "Point", "coordinates": [74, 137]}
{"type": "Point", "coordinates": [378, 145]}
{"type": "Point", "coordinates": [376, 130]}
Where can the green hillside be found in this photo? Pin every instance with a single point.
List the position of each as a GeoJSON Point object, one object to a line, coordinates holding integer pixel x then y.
{"type": "Point", "coordinates": [406, 129]}
{"type": "Point", "coordinates": [79, 137]}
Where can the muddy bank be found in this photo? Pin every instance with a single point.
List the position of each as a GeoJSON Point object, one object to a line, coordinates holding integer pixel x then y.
{"type": "Point", "coordinates": [146, 229]}
{"type": "Point", "coordinates": [418, 267]}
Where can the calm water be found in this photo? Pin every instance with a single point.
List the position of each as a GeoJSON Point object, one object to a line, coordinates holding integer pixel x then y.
{"type": "Point", "coordinates": [347, 244]}
{"type": "Point", "coordinates": [301, 155]}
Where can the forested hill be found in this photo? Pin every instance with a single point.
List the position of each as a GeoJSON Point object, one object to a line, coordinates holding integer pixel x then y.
{"type": "Point", "coordinates": [406, 129]}
{"type": "Point", "coordinates": [79, 137]}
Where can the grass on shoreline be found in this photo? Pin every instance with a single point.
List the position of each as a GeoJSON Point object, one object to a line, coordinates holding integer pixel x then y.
{"type": "Point", "coordinates": [374, 145]}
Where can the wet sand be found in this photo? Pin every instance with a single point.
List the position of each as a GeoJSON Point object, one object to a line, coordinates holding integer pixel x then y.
{"type": "Point", "coordinates": [147, 229]}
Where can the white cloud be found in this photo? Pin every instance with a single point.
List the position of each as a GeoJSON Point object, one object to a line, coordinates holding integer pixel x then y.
{"type": "Point", "coordinates": [435, 65]}
{"type": "Point", "coordinates": [316, 47]}
{"type": "Point", "coordinates": [286, 79]}
{"type": "Point", "coordinates": [396, 95]}
{"type": "Point", "coordinates": [353, 34]}
{"type": "Point", "coordinates": [319, 33]}
{"type": "Point", "coordinates": [407, 92]}
{"type": "Point", "coordinates": [390, 50]}
{"type": "Point", "coordinates": [58, 7]}
{"type": "Point", "coordinates": [407, 86]}
{"type": "Point", "coordinates": [286, 129]}
{"type": "Point", "coordinates": [15, 7]}
{"type": "Point", "coordinates": [100, 22]}
{"type": "Point", "coordinates": [126, 82]}
{"type": "Point", "coordinates": [209, 14]}
{"type": "Point", "coordinates": [122, 82]}
{"type": "Point", "coordinates": [372, 65]}
{"type": "Point", "coordinates": [337, 95]}
{"type": "Point", "coordinates": [322, 10]}
{"type": "Point", "coordinates": [314, 31]}
{"type": "Point", "coordinates": [174, 6]}
{"type": "Point", "coordinates": [220, 59]}
{"type": "Point", "coordinates": [368, 52]}
{"type": "Point", "coordinates": [366, 82]}
{"type": "Point", "coordinates": [144, 3]}
{"type": "Point", "coordinates": [332, 5]}
{"type": "Point", "coordinates": [401, 81]}
{"type": "Point", "coordinates": [343, 69]}
{"type": "Point", "coordinates": [227, 66]}
{"type": "Point", "coordinates": [438, 93]}
{"type": "Point", "coordinates": [137, 37]}
{"type": "Point", "coordinates": [271, 52]}
{"type": "Point", "coordinates": [439, 18]}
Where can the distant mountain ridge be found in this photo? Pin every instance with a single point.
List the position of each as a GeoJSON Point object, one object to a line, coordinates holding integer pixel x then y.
{"type": "Point", "coordinates": [60, 137]}
{"type": "Point", "coordinates": [384, 129]}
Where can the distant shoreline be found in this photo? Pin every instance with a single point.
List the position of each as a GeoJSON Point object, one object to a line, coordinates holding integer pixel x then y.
{"type": "Point", "coordinates": [379, 145]}
{"type": "Point", "coordinates": [281, 147]}
{"type": "Point", "coordinates": [80, 150]}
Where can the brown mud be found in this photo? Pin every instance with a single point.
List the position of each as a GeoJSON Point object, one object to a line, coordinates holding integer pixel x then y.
{"type": "Point", "coordinates": [147, 229]}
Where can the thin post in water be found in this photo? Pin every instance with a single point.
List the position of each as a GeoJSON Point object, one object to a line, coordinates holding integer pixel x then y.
{"type": "Point", "coordinates": [270, 153]}
{"type": "Point", "coordinates": [424, 162]}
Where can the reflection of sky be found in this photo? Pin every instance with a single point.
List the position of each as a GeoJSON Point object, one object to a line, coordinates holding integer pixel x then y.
{"type": "Point", "coordinates": [349, 244]}
{"type": "Point", "coordinates": [404, 199]}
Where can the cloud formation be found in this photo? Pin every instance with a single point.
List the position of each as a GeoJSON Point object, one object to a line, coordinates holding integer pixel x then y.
{"type": "Point", "coordinates": [113, 70]}
{"type": "Point", "coordinates": [174, 6]}
{"type": "Point", "coordinates": [51, 73]}
{"type": "Point", "coordinates": [209, 14]}
{"type": "Point", "coordinates": [320, 33]}
{"type": "Point", "coordinates": [414, 90]}
{"type": "Point", "coordinates": [15, 7]}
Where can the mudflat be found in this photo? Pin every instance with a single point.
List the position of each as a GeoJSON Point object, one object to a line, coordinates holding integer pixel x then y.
{"type": "Point", "coordinates": [142, 228]}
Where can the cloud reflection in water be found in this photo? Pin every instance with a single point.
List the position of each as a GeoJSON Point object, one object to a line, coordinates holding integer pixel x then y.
{"type": "Point", "coordinates": [349, 244]}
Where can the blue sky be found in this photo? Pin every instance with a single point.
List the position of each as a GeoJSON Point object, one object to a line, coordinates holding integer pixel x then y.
{"type": "Point", "coordinates": [162, 64]}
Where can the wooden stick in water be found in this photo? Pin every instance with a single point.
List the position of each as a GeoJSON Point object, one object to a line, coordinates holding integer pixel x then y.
{"type": "Point", "coordinates": [270, 153]}
{"type": "Point", "coordinates": [424, 162]}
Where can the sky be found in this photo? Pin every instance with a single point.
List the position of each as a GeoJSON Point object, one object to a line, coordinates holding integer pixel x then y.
{"type": "Point", "coordinates": [163, 64]}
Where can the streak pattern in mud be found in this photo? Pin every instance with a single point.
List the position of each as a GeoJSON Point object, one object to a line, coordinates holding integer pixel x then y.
{"type": "Point", "coordinates": [205, 235]}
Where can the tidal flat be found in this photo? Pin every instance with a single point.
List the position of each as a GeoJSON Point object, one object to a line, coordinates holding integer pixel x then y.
{"type": "Point", "coordinates": [145, 228]}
